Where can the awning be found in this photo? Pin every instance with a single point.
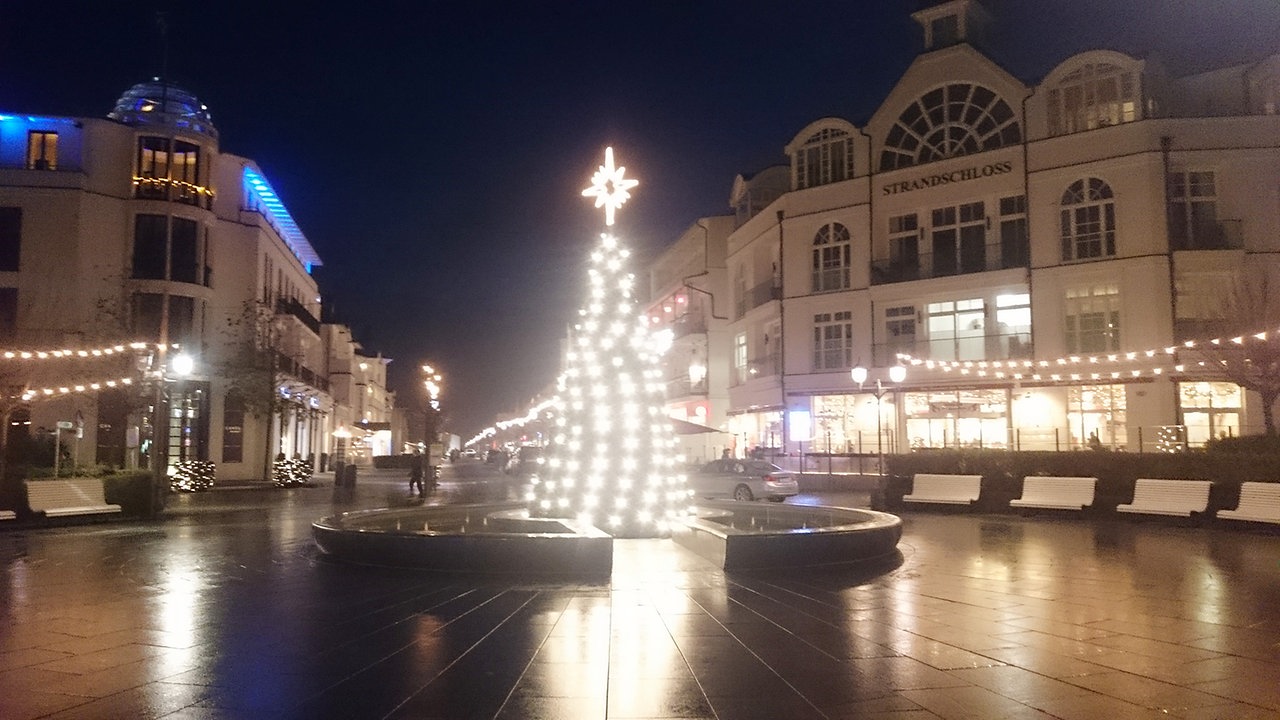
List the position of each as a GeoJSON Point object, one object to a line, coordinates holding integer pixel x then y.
{"type": "Point", "coordinates": [683, 427]}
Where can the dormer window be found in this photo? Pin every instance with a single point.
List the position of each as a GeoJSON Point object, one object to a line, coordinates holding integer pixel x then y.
{"type": "Point", "coordinates": [951, 23]}
{"type": "Point", "coordinates": [944, 31]}
{"type": "Point", "coordinates": [1091, 97]}
{"type": "Point", "coordinates": [825, 157]}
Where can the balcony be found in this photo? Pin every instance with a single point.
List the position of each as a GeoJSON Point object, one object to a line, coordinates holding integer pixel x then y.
{"type": "Point", "coordinates": [767, 366]}
{"type": "Point", "coordinates": [1221, 235]}
{"type": "Point", "coordinates": [179, 191]}
{"type": "Point", "coordinates": [289, 306]}
{"type": "Point", "coordinates": [688, 324]}
{"type": "Point", "coordinates": [289, 366]}
{"type": "Point", "coordinates": [980, 258]}
{"type": "Point", "coordinates": [684, 387]}
{"type": "Point", "coordinates": [1006, 346]}
{"type": "Point", "coordinates": [757, 296]}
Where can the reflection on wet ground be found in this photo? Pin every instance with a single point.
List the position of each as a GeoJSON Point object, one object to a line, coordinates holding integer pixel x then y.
{"type": "Point", "coordinates": [225, 610]}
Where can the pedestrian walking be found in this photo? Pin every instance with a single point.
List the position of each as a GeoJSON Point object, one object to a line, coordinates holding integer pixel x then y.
{"type": "Point", "coordinates": [415, 475]}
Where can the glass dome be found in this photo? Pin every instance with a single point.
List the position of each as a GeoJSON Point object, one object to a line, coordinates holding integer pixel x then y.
{"type": "Point", "coordinates": [159, 102]}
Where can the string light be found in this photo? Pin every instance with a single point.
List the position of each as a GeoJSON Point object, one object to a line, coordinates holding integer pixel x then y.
{"type": "Point", "coordinates": [33, 393]}
{"type": "Point", "coordinates": [92, 352]}
{"type": "Point", "coordinates": [1072, 368]}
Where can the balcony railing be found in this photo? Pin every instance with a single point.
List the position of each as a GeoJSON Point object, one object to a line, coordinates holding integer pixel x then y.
{"type": "Point", "coordinates": [683, 387]}
{"type": "Point", "coordinates": [180, 191]}
{"type": "Point", "coordinates": [767, 366]}
{"type": "Point", "coordinates": [688, 324]}
{"type": "Point", "coordinates": [1005, 346]}
{"type": "Point", "coordinates": [1221, 235]}
{"type": "Point", "coordinates": [289, 366]}
{"type": "Point", "coordinates": [757, 296]}
{"type": "Point", "coordinates": [984, 258]}
{"type": "Point", "coordinates": [289, 306]}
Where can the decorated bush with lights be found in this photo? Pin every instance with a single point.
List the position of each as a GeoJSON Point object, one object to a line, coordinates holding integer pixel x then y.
{"type": "Point", "coordinates": [192, 476]}
{"type": "Point", "coordinates": [611, 461]}
{"type": "Point", "coordinates": [291, 473]}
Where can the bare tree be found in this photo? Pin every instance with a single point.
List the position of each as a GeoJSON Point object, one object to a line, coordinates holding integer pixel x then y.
{"type": "Point", "coordinates": [1247, 351]}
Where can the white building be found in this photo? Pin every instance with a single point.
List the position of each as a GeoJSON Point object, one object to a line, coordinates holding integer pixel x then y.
{"type": "Point", "coordinates": [137, 226]}
{"type": "Point", "coordinates": [1015, 243]}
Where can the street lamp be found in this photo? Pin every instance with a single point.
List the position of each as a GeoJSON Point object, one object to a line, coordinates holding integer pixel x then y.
{"type": "Point", "coordinates": [897, 374]}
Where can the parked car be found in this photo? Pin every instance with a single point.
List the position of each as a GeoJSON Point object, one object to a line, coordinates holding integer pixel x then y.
{"type": "Point", "coordinates": [742, 479]}
{"type": "Point", "coordinates": [469, 453]}
{"type": "Point", "coordinates": [524, 461]}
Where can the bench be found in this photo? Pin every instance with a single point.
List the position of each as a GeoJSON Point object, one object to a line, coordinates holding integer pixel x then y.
{"type": "Point", "coordinates": [1259, 502]}
{"type": "Point", "coordinates": [936, 488]}
{"type": "Point", "coordinates": [1056, 493]}
{"type": "Point", "coordinates": [70, 496]}
{"type": "Point", "coordinates": [8, 515]}
{"type": "Point", "coordinates": [1168, 497]}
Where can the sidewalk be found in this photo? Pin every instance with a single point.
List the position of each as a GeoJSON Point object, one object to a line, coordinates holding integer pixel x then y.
{"type": "Point", "coordinates": [224, 609]}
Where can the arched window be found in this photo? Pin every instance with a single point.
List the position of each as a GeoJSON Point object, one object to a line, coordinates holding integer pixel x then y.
{"type": "Point", "coordinates": [949, 121]}
{"type": "Point", "coordinates": [825, 157]}
{"type": "Point", "coordinates": [832, 257]}
{"type": "Point", "coordinates": [1088, 220]}
{"type": "Point", "coordinates": [1094, 96]}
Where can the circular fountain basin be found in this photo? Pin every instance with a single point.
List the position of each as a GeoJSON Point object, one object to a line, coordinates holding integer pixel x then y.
{"type": "Point", "coordinates": [740, 536]}
{"type": "Point", "coordinates": [496, 537]}
{"type": "Point", "coordinates": [502, 538]}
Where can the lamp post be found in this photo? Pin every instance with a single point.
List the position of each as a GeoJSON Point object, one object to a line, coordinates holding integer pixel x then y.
{"type": "Point", "coordinates": [432, 381]}
{"type": "Point", "coordinates": [897, 374]}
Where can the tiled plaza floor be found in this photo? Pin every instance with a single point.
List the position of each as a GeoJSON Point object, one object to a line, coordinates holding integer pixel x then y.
{"type": "Point", "coordinates": [225, 609]}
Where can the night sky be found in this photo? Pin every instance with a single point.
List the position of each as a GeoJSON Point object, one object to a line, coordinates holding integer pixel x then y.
{"type": "Point", "coordinates": [434, 153]}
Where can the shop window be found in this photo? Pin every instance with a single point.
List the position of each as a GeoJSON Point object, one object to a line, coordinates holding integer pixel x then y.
{"type": "Point", "coordinates": [833, 341]}
{"type": "Point", "coordinates": [826, 157]}
{"type": "Point", "coordinates": [957, 418]}
{"type": "Point", "coordinates": [42, 150]}
{"type": "Point", "coordinates": [1088, 221]}
{"type": "Point", "coordinates": [950, 121]}
{"type": "Point", "coordinates": [832, 257]}
{"type": "Point", "coordinates": [1096, 410]}
{"type": "Point", "coordinates": [1210, 410]}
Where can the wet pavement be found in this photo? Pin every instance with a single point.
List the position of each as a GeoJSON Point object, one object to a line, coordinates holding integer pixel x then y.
{"type": "Point", "coordinates": [225, 609]}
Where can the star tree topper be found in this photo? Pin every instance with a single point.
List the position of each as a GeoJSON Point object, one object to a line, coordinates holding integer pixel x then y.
{"type": "Point", "coordinates": [609, 188]}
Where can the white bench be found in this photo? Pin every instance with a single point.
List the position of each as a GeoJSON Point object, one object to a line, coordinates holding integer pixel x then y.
{"type": "Point", "coordinates": [1168, 497]}
{"type": "Point", "coordinates": [1259, 502]}
{"type": "Point", "coordinates": [8, 515]}
{"type": "Point", "coordinates": [1057, 493]}
{"type": "Point", "coordinates": [70, 496]}
{"type": "Point", "coordinates": [936, 488]}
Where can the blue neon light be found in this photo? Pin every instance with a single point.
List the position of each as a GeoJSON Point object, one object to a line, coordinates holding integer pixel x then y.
{"type": "Point", "coordinates": [258, 186]}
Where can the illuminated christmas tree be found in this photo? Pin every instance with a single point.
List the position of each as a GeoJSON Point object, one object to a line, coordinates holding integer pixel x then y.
{"type": "Point", "coordinates": [611, 459]}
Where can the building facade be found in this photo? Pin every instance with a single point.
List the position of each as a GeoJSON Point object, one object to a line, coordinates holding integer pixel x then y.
{"type": "Point", "coordinates": [137, 226]}
{"type": "Point", "coordinates": [1035, 254]}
